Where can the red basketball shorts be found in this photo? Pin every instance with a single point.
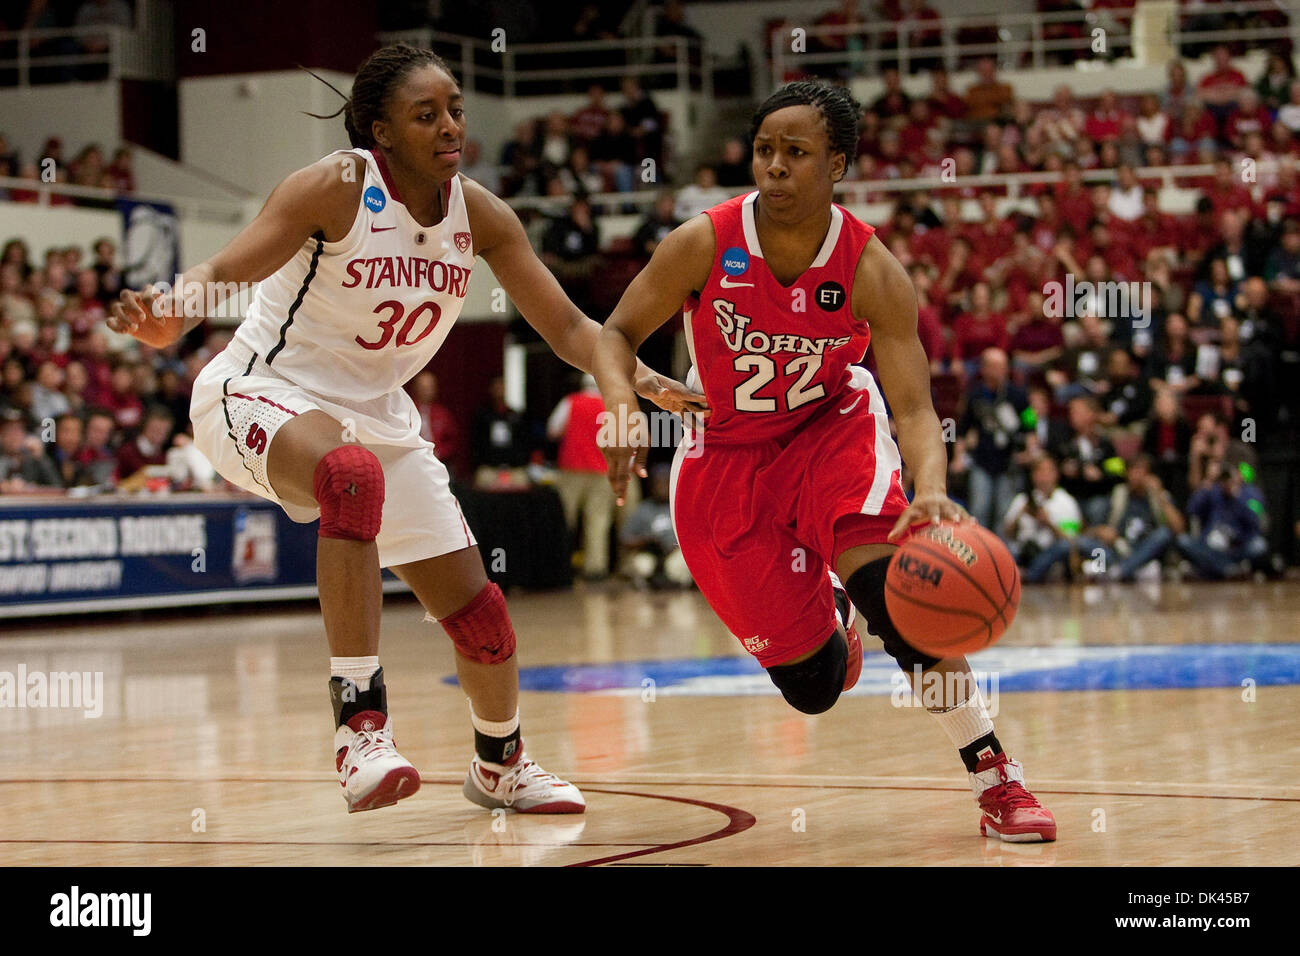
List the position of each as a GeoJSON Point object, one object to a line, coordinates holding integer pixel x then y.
{"type": "Point", "coordinates": [760, 524]}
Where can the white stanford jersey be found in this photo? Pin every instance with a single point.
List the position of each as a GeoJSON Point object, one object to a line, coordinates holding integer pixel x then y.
{"type": "Point", "coordinates": [358, 318]}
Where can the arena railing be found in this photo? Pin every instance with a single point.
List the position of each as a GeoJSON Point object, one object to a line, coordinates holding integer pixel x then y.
{"type": "Point", "coordinates": [131, 54]}
{"type": "Point", "coordinates": [1024, 39]}
{"type": "Point", "coordinates": [866, 192]}
{"type": "Point", "coordinates": [522, 69]}
{"type": "Point", "coordinates": [212, 210]}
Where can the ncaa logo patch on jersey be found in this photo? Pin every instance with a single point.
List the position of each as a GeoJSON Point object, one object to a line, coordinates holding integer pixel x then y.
{"type": "Point", "coordinates": [735, 261]}
{"type": "Point", "coordinates": [462, 240]}
{"type": "Point", "coordinates": [374, 199]}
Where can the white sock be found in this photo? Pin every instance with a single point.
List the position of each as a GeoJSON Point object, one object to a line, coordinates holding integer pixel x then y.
{"type": "Point", "coordinates": [494, 728]}
{"type": "Point", "coordinates": [359, 670]}
{"type": "Point", "coordinates": [967, 722]}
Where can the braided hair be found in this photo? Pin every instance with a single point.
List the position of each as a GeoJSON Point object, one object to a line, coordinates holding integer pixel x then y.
{"type": "Point", "coordinates": [836, 104]}
{"type": "Point", "coordinates": [375, 81]}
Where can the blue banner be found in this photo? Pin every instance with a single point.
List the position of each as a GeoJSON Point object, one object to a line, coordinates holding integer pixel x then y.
{"type": "Point", "coordinates": [119, 553]}
{"type": "Point", "coordinates": [151, 249]}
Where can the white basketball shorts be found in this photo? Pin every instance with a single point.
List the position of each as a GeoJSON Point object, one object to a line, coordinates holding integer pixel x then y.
{"type": "Point", "coordinates": [239, 403]}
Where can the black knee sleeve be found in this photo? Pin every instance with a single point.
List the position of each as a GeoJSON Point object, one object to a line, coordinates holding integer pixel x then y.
{"type": "Point", "coordinates": [866, 588]}
{"type": "Point", "coordinates": [813, 686]}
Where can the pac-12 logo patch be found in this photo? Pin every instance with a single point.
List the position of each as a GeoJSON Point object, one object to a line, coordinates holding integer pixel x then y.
{"type": "Point", "coordinates": [735, 261]}
{"type": "Point", "coordinates": [374, 199]}
{"type": "Point", "coordinates": [462, 240]}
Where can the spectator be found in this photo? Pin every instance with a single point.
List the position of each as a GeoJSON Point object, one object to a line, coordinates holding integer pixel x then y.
{"type": "Point", "coordinates": [991, 425]}
{"type": "Point", "coordinates": [437, 423]}
{"type": "Point", "coordinates": [657, 224]}
{"type": "Point", "coordinates": [1227, 541]}
{"type": "Point", "coordinates": [735, 171]}
{"type": "Point", "coordinates": [1089, 466]}
{"type": "Point", "coordinates": [702, 194]}
{"type": "Point", "coordinates": [499, 440]}
{"type": "Point", "coordinates": [1038, 341]}
{"type": "Point", "coordinates": [1142, 522]}
{"type": "Point", "coordinates": [1283, 267]}
{"type": "Point", "coordinates": [582, 481]}
{"type": "Point", "coordinates": [47, 401]}
{"type": "Point", "coordinates": [1274, 85]}
{"type": "Point", "coordinates": [589, 122]}
{"type": "Point", "coordinates": [1152, 123]}
{"type": "Point", "coordinates": [988, 98]}
{"type": "Point", "coordinates": [97, 456]}
{"type": "Point", "coordinates": [978, 330]}
{"type": "Point", "coordinates": [473, 167]}
{"type": "Point", "coordinates": [23, 464]}
{"type": "Point", "coordinates": [571, 249]}
{"type": "Point", "coordinates": [943, 101]}
{"type": "Point", "coordinates": [149, 447]}
{"type": "Point", "coordinates": [1124, 395]}
{"type": "Point", "coordinates": [893, 103]}
{"type": "Point", "coordinates": [1166, 443]}
{"type": "Point", "coordinates": [1208, 447]}
{"type": "Point", "coordinates": [1042, 523]}
{"type": "Point", "coordinates": [1172, 363]}
{"type": "Point", "coordinates": [1288, 114]}
{"type": "Point", "coordinates": [643, 120]}
{"type": "Point", "coordinates": [649, 541]}
{"type": "Point", "coordinates": [1220, 88]}
{"type": "Point", "coordinates": [66, 450]}
{"type": "Point", "coordinates": [1081, 367]}
{"type": "Point", "coordinates": [614, 153]}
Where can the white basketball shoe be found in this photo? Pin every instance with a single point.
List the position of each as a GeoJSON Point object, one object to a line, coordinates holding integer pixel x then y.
{"type": "Point", "coordinates": [371, 771]}
{"type": "Point", "coordinates": [521, 786]}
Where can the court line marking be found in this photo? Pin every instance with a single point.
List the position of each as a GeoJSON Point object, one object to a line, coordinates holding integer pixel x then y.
{"type": "Point", "coordinates": [774, 781]}
{"type": "Point", "coordinates": [738, 821]}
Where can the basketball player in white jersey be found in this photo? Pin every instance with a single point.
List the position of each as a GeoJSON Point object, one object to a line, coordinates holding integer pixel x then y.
{"type": "Point", "coordinates": [363, 259]}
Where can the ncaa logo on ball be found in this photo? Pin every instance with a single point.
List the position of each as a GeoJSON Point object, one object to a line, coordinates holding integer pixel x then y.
{"type": "Point", "coordinates": [918, 571]}
{"type": "Point", "coordinates": [374, 199]}
{"type": "Point", "coordinates": [735, 261]}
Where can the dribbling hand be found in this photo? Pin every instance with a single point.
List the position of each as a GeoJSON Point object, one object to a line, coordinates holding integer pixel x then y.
{"type": "Point", "coordinates": [927, 508]}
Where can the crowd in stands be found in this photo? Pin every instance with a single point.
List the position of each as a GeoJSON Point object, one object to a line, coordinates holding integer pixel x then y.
{"type": "Point", "coordinates": [90, 166]}
{"type": "Point", "coordinates": [47, 15]}
{"type": "Point", "coordinates": [1109, 372]}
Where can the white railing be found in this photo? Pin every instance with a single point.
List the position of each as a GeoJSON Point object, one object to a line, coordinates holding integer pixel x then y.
{"type": "Point", "coordinates": [521, 69]}
{"type": "Point", "coordinates": [1023, 39]}
{"type": "Point", "coordinates": [213, 210]}
{"type": "Point", "coordinates": [58, 56]}
{"type": "Point", "coordinates": [1013, 183]}
{"type": "Point", "coordinates": [865, 192]}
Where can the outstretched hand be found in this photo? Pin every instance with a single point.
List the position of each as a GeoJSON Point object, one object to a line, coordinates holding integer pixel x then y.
{"type": "Point", "coordinates": [672, 396]}
{"type": "Point", "coordinates": [137, 314]}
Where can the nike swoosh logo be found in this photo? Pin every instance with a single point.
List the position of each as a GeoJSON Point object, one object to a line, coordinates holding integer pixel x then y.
{"type": "Point", "coordinates": [735, 285]}
{"type": "Point", "coordinates": [381, 228]}
{"type": "Point", "coordinates": [845, 411]}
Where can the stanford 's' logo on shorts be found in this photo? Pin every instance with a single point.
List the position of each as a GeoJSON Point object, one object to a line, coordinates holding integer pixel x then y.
{"type": "Point", "coordinates": [462, 240]}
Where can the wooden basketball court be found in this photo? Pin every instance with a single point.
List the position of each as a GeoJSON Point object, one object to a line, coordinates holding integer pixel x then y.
{"type": "Point", "coordinates": [214, 742]}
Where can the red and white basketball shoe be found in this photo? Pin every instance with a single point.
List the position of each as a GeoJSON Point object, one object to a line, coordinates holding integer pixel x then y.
{"type": "Point", "coordinates": [521, 786]}
{"type": "Point", "coordinates": [1011, 812]}
{"type": "Point", "coordinates": [847, 615]}
{"type": "Point", "coordinates": [371, 771]}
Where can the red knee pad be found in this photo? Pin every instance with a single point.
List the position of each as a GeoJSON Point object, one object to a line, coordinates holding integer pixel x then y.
{"type": "Point", "coordinates": [481, 630]}
{"type": "Point", "coordinates": [349, 485]}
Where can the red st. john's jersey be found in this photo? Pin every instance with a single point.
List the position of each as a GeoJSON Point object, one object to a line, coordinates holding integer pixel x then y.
{"type": "Point", "coordinates": [769, 356]}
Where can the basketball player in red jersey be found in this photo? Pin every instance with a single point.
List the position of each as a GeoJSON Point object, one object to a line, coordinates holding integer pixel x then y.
{"type": "Point", "coordinates": [797, 474]}
{"type": "Point", "coordinates": [363, 259]}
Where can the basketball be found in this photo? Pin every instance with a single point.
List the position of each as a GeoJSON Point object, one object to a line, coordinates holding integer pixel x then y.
{"type": "Point", "coordinates": [952, 589]}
